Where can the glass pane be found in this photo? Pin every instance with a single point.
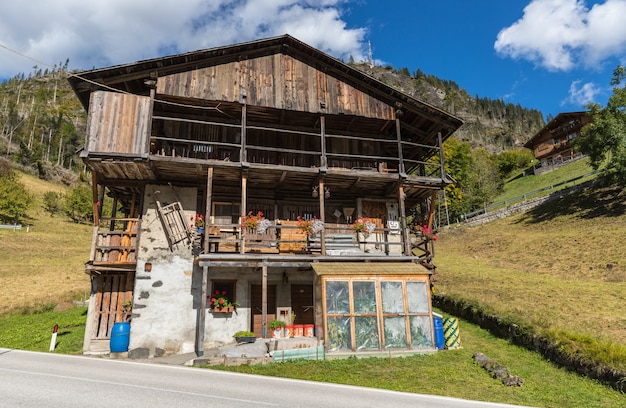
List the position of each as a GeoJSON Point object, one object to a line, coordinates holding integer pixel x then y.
{"type": "Point", "coordinates": [393, 300]}
{"type": "Point", "coordinates": [421, 336]}
{"type": "Point", "coordinates": [366, 332]}
{"type": "Point", "coordinates": [395, 333]}
{"type": "Point", "coordinates": [337, 297]}
{"type": "Point", "coordinates": [339, 337]}
{"type": "Point", "coordinates": [417, 297]}
{"type": "Point", "coordinates": [364, 297]}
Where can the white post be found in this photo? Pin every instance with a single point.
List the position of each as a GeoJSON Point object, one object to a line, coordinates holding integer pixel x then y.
{"type": "Point", "coordinates": [53, 340]}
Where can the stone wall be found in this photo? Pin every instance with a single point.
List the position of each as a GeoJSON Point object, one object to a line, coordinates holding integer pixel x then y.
{"type": "Point", "coordinates": [522, 206]}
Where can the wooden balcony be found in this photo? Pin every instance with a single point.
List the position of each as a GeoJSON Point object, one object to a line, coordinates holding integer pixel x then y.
{"type": "Point", "coordinates": [286, 238]}
{"type": "Point", "coordinates": [114, 245]}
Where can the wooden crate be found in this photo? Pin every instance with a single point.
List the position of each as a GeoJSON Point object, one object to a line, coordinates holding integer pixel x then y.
{"type": "Point", "coordinates": [292, 234]}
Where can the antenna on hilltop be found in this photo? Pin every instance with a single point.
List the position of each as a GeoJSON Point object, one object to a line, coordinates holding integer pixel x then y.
{"type": "Point", "coordinates": [370, 56]}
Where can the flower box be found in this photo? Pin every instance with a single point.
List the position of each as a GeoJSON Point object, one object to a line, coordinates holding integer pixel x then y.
{"type": "Point", "coordinates": [245, 339]}
{"type": "Point", "coordinates": [225, 309]}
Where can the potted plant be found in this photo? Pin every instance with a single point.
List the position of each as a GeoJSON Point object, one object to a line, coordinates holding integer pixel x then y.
{"type": "Point", "coordinates": [127, 308]}
{"type": "Point", "coordinates": [310, 227]}
{"type": "Point", "coordinates": [244, 337]}
{"type": "Point", "coordinates": [198, 222]}
{"type": "Point", "coordinates": [251, 221]}
{"type": "Point", "coordinates": [364, 226]}
{"type": "Point", "coordinates": [220, 302]}
{"type": "Point", "coordinates": [277, 327]}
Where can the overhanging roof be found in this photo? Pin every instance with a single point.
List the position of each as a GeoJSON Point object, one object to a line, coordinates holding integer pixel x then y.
{"type": "Point", "coordinates": [368, 268]}
{"type": "Point", "coordinates": [131, 77]}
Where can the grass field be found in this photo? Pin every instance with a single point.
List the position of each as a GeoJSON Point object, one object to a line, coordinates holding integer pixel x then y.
{"type": "Point", "coordinates": [44, 263]}
{"type": "Point", "coordinates": [558, 269]}
{"type": "Point", "coordinates": [525, 185]}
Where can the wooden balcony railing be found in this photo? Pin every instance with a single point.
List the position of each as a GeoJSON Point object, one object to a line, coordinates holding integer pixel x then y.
{"type": "Point", "coordinates": [285, 237]}
{"type": "Point", "coordinates": [115, 242]}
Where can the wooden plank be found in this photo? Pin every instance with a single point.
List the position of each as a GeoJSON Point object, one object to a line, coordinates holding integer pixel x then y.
{"type": "Point", "coordinates": [105, 317]}
{"type": "Point", "coordinates": [98, 309]}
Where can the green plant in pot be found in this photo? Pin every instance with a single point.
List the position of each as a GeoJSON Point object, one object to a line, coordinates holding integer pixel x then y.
{"type": "Point", "coordinates": [244, 337]}
{"type": "Point", "coordinates": [277, 326]}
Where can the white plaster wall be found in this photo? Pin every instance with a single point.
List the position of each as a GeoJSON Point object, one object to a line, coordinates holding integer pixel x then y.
{"type": "Point", "coordinates": [167, 298]}
{"type": "Point", "coordinates": [220, 327]}
{"type": "Point", "coordinates": [164, 315]}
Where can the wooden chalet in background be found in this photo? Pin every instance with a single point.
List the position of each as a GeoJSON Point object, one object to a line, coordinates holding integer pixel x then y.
{"type": "Point", "coordinates": [272, 126]}
{"type": "Point", "coordinates": [552, 145]}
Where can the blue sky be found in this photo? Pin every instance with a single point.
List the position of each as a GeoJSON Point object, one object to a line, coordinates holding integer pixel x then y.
{"type": "Point", "coordinates": [550, 55]}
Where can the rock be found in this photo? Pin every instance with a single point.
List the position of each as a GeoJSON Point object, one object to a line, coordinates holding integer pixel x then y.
{"type": "Point", "coordinates": [497, 370]}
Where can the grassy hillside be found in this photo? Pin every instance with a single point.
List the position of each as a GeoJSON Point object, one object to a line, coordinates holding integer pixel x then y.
{"type": "Point", "coordinates": [524, 185]}
{"type": "Point", "coordinates": [44, 263]}
{"type": "Point", "coordinates": [558, 270]}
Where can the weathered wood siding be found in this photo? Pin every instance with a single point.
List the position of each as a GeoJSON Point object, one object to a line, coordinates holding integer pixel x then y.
{"type": "Point", "coordinates": [275, 81]}
{"type": "Point", "coordinates": [118, 123]}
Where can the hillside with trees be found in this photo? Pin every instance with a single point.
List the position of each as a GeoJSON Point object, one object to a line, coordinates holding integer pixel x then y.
{"type": "Point", "coordinates": [42, 123]}
{"type": "Point", "coordinates": [491, 124]}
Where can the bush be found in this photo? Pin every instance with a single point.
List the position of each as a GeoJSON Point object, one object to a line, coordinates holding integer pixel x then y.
{"type": "Point", "coordinates": [14, 198]}
{"type": "Point", "coordinates": [78, 205]}
{"type": "Point", "coordinates": [52, 202]}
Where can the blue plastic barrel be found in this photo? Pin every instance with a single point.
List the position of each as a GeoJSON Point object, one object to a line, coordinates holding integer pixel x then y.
{"type": "Point", "coordinates": [439, 339]}
{"type": "Point", "coordinates": [120, 337]}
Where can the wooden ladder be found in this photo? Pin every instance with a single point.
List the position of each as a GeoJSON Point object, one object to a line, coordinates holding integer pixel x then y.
{"type": "Point", "coordinates": [174, 222]}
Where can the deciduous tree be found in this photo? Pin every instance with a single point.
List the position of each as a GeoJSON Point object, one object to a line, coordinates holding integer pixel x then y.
{"type": "Point", "coordinates": [605, 136]}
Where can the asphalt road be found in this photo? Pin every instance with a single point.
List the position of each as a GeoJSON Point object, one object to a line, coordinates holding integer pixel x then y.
{"type": "Point", "coordinates": [29, 379]}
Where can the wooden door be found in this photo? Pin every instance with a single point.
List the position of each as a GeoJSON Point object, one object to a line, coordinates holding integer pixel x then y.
{"type": "Point", "coordinates": [256, 304]}
{"type": "Point", "coordinates": [302, 303]}
{"type": "Point", "coordinates": [112, 291]}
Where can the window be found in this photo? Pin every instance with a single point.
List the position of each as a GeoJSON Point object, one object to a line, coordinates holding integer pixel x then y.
{"type": "Point", "coordinates": [225, 288]}
{"type": "Point", "coordinates": [225, 213]}
{"type": "Point", "coordinates": [377, 313]}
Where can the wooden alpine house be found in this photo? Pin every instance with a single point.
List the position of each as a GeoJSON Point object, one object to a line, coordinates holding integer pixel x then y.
{"type": "Point", "coordinates": [266, 180]}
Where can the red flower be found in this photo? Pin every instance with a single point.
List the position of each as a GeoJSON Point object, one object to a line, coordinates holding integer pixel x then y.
{"type": "Point", "coordinates": [223, 292]}
{"type": "Point", "coordinates": [221, 301]}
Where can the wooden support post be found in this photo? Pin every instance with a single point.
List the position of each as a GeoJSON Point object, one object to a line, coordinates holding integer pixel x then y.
{"type": "Point", "coordinates": [323, 158]}
{"type": "Point", "coordinates": [399, 137]}
{"type": "Point", "coordinates": [244, 199]}
{"type": "Point", "coordinates": [431, 214]}
{"type": "Point", "coordinates": [264, 303]}
{"type": "Point", "coordinates": [433, 199]}
{"type": "Point", "coordinates": [442, 168]}
{"type": "Point", "coordinates": [202, 313]}
{"type": "Point", "coordinates": [113, 215]}
{"type": "Point", "coordinates": [322, 212]}
{"type": "Point", "coordinates": [101, 200]}
{"type": "Point", "coordinates": [94, 192]}
{"type": "Point", "coordinates": [152, 84]}
{"type": "Point", "coordinates": [244, 155]}
{"type": "Point", "coordinates": [207, 211]}
{"type": "Point", "coordinates": [405, 230]}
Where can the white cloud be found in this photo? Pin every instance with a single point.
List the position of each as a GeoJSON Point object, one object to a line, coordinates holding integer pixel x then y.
{"type": "Point", "coordinates": [582, 94]}
{"type": "Point", "coordinates": [562, 34]}
{"type": "Point", "coordinates": [98, 34]}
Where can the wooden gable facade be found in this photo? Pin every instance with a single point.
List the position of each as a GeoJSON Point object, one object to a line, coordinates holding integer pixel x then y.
{"type": "Point", "coordinates": [274, 127]}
